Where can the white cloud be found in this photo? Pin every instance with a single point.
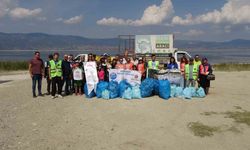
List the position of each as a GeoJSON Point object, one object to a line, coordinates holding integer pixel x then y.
{"type": "Point", "coordinates": [233, 12]}
{"type": "Point", "coordinates": [73, 20]}
{"type": "Point", "coordinates": [152, 15]}
{"type": "Point", "coordinates": [112, 21]}
{"type": "Point", "coordinates": [193, 33]}
{"type": "Point", "coordinates": [11, 9]}
{"type": "Point", "coordinates": [5, 6]}
{"type": "Point", "coordinates": [22, 13]}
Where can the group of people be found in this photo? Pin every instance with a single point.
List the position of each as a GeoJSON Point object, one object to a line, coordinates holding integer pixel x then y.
{"type": "Point", "coordinates": [70, 74]}
{"type": "Point", "coordinates": [195, 71]}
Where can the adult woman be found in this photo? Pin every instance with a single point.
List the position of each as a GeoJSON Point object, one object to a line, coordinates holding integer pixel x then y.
{"type": "Point", "coordinates": [183, 63]}
{"type": "Point", "coordinates": [172, 64]}
{"type": "Point", "coordinates": [204, 70]}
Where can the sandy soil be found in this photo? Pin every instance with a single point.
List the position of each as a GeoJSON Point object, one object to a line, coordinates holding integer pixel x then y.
{"type": "Point", "coordinates": [77, 123]}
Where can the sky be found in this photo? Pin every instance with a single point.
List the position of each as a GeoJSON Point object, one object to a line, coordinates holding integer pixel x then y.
{"type": "Point", "coordinates": [206, 20]}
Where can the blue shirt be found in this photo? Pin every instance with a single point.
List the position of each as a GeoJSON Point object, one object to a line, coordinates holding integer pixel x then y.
{"type": "Point", "coordinates": [172, 66]}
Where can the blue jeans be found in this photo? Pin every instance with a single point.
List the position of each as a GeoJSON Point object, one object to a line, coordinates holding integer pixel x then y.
{"type": "Point", "coordinates": [67, 82]}
{"type": "Point", "coordinates": [37, 78]}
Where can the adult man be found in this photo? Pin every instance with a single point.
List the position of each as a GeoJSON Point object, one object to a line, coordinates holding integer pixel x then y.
{"type": "Point", "coordinates": [56, 75]}
{"type": "Point", "coordinates": [153, 64]}
{"type": "Point", "coordinates": [191, 73]}
{"type": "Point", "coordinates": [46, 74]}
{"type": "Point", "coordinates": [72, 63]}
{"type": "Point", "coordinates": [36, 70]}
{"type": "Point", "coordinates": [197, 60]}
{"type": "Point", "coordinates": [67, 74]}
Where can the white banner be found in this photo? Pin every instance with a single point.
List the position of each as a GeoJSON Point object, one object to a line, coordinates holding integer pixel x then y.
{"type": "Point", "coordinates": [133, 77]}
{"type": "Point", "coordinates": [91, 76]}
{"type": "Point", "coordinates": [154, 44]}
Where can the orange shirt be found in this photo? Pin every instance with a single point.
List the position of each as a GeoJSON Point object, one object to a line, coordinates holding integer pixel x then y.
{"type": "Point", "coordinates": [129, 66]}
{"type": "Point", "coordinates": [120, 66]}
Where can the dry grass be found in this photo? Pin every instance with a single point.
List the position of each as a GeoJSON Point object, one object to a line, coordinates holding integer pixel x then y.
{"type": "Point", "coordinates": [231, 67]}
{"type": "Point", "coordinates": [202, 130]}
{"type": "Point", "coordinates": [13, 65]}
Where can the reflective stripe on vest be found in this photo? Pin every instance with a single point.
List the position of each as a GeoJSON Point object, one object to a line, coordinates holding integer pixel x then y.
{"type": "Point", "coordinates": [150, 64]}
{"type": "Point", "coordinates": [195, 71]}
{"type": "Point", "coordinates": [55, 69]}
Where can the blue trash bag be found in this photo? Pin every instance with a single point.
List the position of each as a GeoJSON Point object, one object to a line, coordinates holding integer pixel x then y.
{"type": "Point", "coordinates": [193, 91]}
{"type": "Point", "coordinates": [136, 92]}
{"type": "Point", "coordinates": [113, 89]}
{"type": "Point", "coordinates": [156, 87]}
{"type": "Point", "coordinates": [123, 85]}
{"type": "Point", "coordinates": [101, 86]}
{"type": "Point", "coordinates": [127, 94]}
{"type": "Point", "coordinates": [187, 92]}
{"type": "Point", "coordinates": [91, 95]}
{"type": "Point", "coordinates": [105, 94]}
{"type": "Point", "coordinates": [200, 93]}
{"type": "Point", "coordinates": [147, 87]}
{"type": "Point", "coordinates": [173, 91]}
{"type": "Point", "coordinates": [179, 92]}
{"type": "Point", "coordinates": [164, 89]}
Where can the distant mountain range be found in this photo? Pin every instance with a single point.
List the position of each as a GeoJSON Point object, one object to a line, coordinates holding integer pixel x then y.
{"type": "Point", "coordinates": [41, 41]}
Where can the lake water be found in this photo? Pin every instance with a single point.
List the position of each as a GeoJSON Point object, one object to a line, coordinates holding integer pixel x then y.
{"type": "Point", "coordinates": [214, 56]}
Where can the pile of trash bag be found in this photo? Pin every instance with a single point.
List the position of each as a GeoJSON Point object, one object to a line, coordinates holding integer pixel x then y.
{"type": "Point", "coordinates": [101, 86]}
{"type": "Point", "coordinates": [147, 87]}
{"type": "Point", "coordinates": [164, 89]}
{"type": "Point", "coordinates": [123, 86]}
{"type": "Point", "coordinates": [113, 89]}
{"type": "Point", "coordinates": [187, 93]}
{"type": "Point", "coordinates": [136, 92]}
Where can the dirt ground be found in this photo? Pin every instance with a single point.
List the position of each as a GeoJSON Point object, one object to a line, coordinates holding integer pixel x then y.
{"type": "Point", "coordinates": [76, 123]}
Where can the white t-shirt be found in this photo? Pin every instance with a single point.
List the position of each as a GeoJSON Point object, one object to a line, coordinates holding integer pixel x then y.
{"type": "Point", "coordinates": [77, 74]}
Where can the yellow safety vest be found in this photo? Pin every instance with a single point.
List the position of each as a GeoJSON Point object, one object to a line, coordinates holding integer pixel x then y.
{"type": "Point", "coordinates": [150, 65]}
{"type": "Point", "coordinates": [55, 69]}
{"type": "Point", "coordinates": [195, 71]}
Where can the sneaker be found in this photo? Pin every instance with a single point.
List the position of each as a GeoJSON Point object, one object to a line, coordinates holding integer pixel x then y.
{"type": "Point", "coordinates": [34, 96]}
{"type": "Point", "coordinates": [53, 97]}
{"type": "Point", "coordinates": [60, 96]}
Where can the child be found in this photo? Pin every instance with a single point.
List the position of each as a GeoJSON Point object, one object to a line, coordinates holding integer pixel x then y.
{"type": "Point", "coordinates": [78, 77]}
{"type": "Point", "coordinates": [101, 74]}
{"type": "Point", "coordinates": [141, 68]}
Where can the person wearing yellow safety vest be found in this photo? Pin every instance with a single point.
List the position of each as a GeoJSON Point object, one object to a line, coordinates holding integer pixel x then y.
{"type": "Point", "coordinates": [191, 73]}
{"type": "Point", "coordinates": [153, 64]}
{"type": "Point", "coordinates": [56, 75]}
{"type": "Point", "coordinates": [197, 60]}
